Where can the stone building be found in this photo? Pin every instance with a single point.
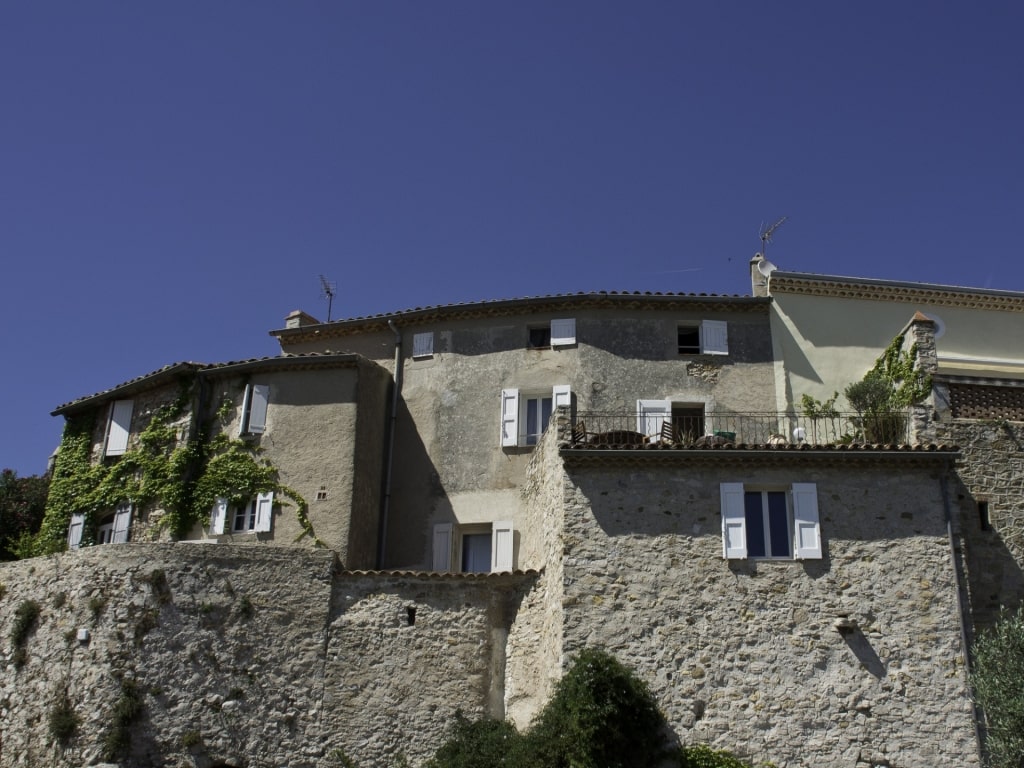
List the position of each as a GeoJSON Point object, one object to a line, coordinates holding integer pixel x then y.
{"type": "Point", "coordinates": [498, 485]}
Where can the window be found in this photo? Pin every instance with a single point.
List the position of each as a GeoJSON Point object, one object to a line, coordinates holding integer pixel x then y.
{"type": "Point", "coordinates": [770, 524]}
{"type": "Point", "coordinates": [118, 426]}
{"type": "Point", "coordinates": [254, 409]}
{"type": "Point", "coordinates": [710, 337]}
{"type": "Point", "coordinates": [487, 548]}
{"type": "Point", "coordinates": [687, 419]}
{"type": "Point", "coordinates": [525, 416]}
{"type": "Point", "coordinates": [559, 333]}
{"type": "Point", "coordinates": [252, 517]}
{"type": "Point", "coordinates": [112, 529]}
{"type": "Point", "coordinates": [423, 345]}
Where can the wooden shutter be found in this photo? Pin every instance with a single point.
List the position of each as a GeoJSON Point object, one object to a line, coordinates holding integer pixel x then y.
{"type": "Point", "coordinates": [561, 395]}
{"type": "Point", "coordinates": [650, 414]}
{"type": "Point", "coordinates": [118, 427]}
{"type": "Point", "coordinates": [264, 510]}
{"type": "Point", "coordinates": [509, 417]}
{"type": "Point", "coordinates": [442, 554]}
{"type": "Point", "coordinates": [806, 528]}
{"type": "Point", "coordinates": [563, 332]}
{"type": "Point", "coordinates": [714, 337]}
{"type": "Point", "coordinates": [734, 521]}
{"type": "Point", "coordinates": [218, 515]}
{"type": "Point", "coordinates": [122, 522]}
{"type": "Point", "coordinates": [258, 409]}
{"type": "Point", "coordinates": [75, 530]}
{"type": "Point", "coordinates": [502, 546]}
{"type": "Point", "coordinates": [423, 344]}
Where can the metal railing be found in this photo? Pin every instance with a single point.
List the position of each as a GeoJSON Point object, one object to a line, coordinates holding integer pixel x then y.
{"type": "Point", "coordinates": [720, 428]}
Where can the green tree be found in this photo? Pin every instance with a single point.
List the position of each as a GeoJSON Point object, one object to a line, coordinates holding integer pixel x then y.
{"type": "Point", "coordinates": [998, 680]}
{"type": "Point", "coordinates": [22, 503]}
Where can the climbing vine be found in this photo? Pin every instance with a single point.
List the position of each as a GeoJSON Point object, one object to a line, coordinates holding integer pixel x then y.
{"type": "Point", "coordinates": [183, 476]}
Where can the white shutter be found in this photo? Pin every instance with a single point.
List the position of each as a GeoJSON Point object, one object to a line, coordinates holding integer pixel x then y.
{"type": "Point", "coordinates": [423, 344]}
{"type": "Point", "coordinates": [502, 541]}
{"type": "Point", "coordinates": [561, 395]}
{"type": "Point", "coordinates": [442, 555]}
{"type": "Point", "coordinates": [264, 509]}
{"type": "Point", "coordinates": [806, 528]}
{"type": "Point", "coordinates": [118, 427]}
{"type": "Point", "coordinates": [257, 422]}
{"type": "Point", "coordinates": [75, 530]}
{"type": "Point", "coordinates": [734, 521]}
{"type": "Point", "coordinates": [714, 337]}
{"type": "Point", "coordinates": [563, 332]}
{"type": "Point", "coordinates": [218, 515]}
{"type": "Point", "coordinates": [509, 417]}
{"type": "Point", "coordinates": [122, 522]}
{"type": "Point", "coordinates": [649, 416]}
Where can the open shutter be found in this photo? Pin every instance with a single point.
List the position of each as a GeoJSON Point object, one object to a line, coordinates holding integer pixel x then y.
{"type": "Point", "coordinates": [75, 530]}
{"type": "Point", "coordinates": [806, 528]}
{"type": "Point", "coordinates": [561, 395]}
{"type": "Point", "coordinates": [258, 409]}
{"type": "Point", "coordinates": [117, 429]}
{"type": "Point", "coordinates": [442, 555]}
{"type": "Point", "coordinates": [714, 337]}
{"type": "Point", "coordinates": [122, 522]}
{"type": "Point", "coordinates": [734, 522]}
{"type": "Point", "coordinates": [509, 417]}
{"type": "Point", "coordinates": [264, 509]}
{"type": "Point", "coordinates": [563, 332]}
{"type": "Point", "coordinates": [502, 542]}
{"type": "Point", "coordinates": [650, 414]}
{"type": "Point", "coordinates": [423, 344]}
{"type": "Point", "coordinates": [218, 515]}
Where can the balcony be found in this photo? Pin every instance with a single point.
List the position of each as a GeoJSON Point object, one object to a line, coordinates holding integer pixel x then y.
{"type": "Point", "coordinates": [731, 428]}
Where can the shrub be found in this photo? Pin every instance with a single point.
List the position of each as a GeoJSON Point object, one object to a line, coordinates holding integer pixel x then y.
{"type": "Point", "coordinates": [997, 679]}
{"type": "Point", "coordinates": [481, 744]}
{"type": "Point", "coordinates": [118, 740]}
{"type": "Point", "coordinates": [26, 617]}
{"type": "Point", "coordinates": [702, 756]}
{"type": "Point", "coordinates": [63, 722]}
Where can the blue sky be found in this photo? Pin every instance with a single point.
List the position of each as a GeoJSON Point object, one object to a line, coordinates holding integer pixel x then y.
{"type": "Point", "coordinates": [175, 177]}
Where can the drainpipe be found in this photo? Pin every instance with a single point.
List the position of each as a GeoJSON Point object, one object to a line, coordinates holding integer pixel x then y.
{"type": "Point", "coordinates": [390, 455]}
{"type": "Point", "coordinates": [961, 591]}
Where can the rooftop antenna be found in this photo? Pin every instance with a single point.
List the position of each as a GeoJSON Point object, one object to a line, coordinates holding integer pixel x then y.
{"type": "Point", "coordinates": [327, 291]}
{"type": "Point", "coordinates": [766, 235]}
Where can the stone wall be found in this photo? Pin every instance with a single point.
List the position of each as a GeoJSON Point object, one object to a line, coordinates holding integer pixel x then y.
{"type": "Point", "coordinates": [258, 657]}
{"type": "Point", "coordinates": [745, 654]}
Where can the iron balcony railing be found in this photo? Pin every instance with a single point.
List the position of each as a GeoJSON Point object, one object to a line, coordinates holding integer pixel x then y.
{"type": "Point", "coordinates": [721, 428]}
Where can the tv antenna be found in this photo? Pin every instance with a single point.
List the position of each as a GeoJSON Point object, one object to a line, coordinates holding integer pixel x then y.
{"type": "Point", "coordinates": [327, 292]}
{"type": "Point", "coordinates": [766, 235]}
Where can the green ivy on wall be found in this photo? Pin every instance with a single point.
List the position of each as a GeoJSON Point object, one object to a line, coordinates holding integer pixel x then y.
{"type": "Point", "coordinates": [183, 476]}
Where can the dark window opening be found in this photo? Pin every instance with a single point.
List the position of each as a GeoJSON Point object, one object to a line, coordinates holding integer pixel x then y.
{"type": "Point", "coordinates": [410, 615]}
{"type": "Point", "coordinates": [540, 337]}
{"type": "Point", "coordinates": [689, 340]}
{"type": "Point", "coordinates": [688, 422]}
{"type": "Point", "coordinates": [986, 524]}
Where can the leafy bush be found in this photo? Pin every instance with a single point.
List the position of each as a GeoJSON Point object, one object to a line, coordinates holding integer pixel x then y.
{"type": "Point", "coordinates": [703, 756]}
{"type": "Point", "coordinates": [118, 740]}
{"type": "Point", "coordinates": [480, 744]}
{"type": "Point", "coordinates": [63, 722]}
{"type": "Point", "coordinates": [26, 616]}
{"type": "Point", "coordinates": [998, 680]}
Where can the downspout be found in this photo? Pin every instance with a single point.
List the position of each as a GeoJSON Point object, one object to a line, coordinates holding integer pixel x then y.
{"type": "Point", "coordinates": [961, 590]}
{"type": "Point", "coordinates": [390, 455]}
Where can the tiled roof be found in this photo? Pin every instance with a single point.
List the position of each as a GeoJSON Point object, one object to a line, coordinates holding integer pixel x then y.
{"type": "Point", "coordinates": [437, 575]}
{"type": "Point", "coordinates": [757, 453]}
{"type": "Point", "coordinates": [497, 307]}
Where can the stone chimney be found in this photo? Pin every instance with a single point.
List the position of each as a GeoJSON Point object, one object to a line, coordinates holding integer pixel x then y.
{"type": "Point", "coordinates": [298, 319]}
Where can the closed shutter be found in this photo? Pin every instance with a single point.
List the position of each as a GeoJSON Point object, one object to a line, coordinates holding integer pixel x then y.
{"type": "Point", "coordinates": [218, 515]}
{"type": "Point", "coordinates": [423, 344]}
{"type": "Point", "coordinates": [264, 510]}
{"type": "Point", "coordinates": [118, 428]}
{"type": "Point", "coordinates": [561, 395]}
{"type": "Point", "coordinates": [714, 337]}
{"type": "Point", "coordinates": [122, 522]}
{"type": "Point", "coordinates": [75, 530]}
{"type": "Point", "coordinates": [734, 522]}
{"type": "Point", "coordinates": [806, 528]}
{"type": "Point", "coordinates": [442, 548]}
{"type": "Point", "coordinates": [502, 546]}
{"type": "Point", "coordinates": [563, 332]}
{"type": "Point", "coordinates": [509, 417]}
{"type": "Point", "coordinates": [258, 409]}
{"type": "Point", "coordinates": [650, 415]}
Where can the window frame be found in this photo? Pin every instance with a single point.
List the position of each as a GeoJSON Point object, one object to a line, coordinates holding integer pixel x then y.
{"type": "Point", "coordinates": [448, 542]}
{"type": "Point", "coordinates": [255, 404]}
{"type": "Point", "coordinates": [423, 345]}
{"type": "Point", "coordinates": [119, 424]}
{"type": "Point", "coordinates": [802, 517]}
{"type": "Point", "coordinates": [712, 338]}
{"type": "Point", "coordinates": [514, 411]}
{"type": "Point", "coordinates": [257, 514]}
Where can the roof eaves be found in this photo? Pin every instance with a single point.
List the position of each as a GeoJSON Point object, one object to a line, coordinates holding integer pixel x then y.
{"type": "Point", "coordinates": [138, 384]}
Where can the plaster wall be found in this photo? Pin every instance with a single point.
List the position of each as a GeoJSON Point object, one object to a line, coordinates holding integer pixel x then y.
{"type": "Point", "coordinates": [744, 654]}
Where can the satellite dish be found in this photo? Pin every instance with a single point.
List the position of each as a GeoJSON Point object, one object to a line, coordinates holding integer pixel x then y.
{"type": "Point", "coordinates": [765, 267]}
